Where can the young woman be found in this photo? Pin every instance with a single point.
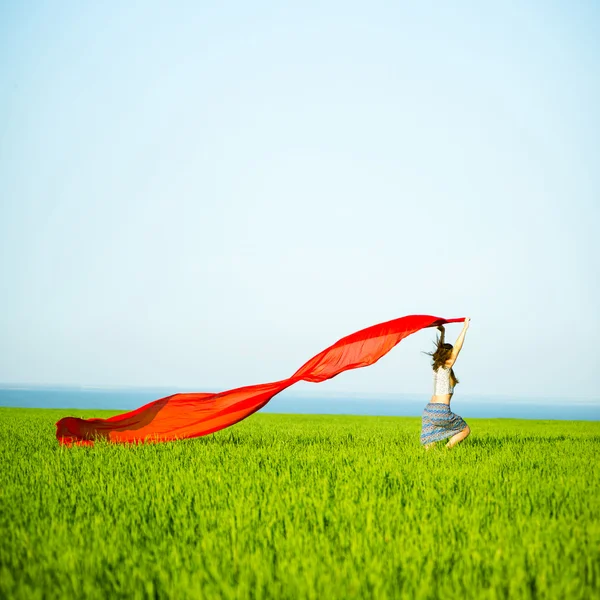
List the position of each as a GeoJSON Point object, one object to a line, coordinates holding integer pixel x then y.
{"type": "Point", "coordinates": [439, 422]}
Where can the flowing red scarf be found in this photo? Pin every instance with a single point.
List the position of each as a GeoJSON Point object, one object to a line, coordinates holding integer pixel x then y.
{"type": "Point", "coordinates": [191, 415]}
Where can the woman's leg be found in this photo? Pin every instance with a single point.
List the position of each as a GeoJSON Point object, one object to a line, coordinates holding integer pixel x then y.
{"type": "Point", "coordinates": [458, 437]}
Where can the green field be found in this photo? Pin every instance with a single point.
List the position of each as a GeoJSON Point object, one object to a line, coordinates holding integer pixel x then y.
{"type": "Point", "coordinates": [302, 506]}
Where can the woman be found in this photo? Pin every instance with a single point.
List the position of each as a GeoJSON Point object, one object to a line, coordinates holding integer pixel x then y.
{"type": "Point", "coordinates": [439, 422]}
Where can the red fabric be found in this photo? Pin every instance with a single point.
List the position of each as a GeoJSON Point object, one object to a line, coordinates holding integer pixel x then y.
{"type": "Point", "coordinates": [191, 415]}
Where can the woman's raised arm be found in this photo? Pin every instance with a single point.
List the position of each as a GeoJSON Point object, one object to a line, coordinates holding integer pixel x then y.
{"type": "Point", "coordinates": [458, 345]}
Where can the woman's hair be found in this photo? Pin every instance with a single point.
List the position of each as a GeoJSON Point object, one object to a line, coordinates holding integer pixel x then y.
{"type": "Point", "coordinates": [440, 355]}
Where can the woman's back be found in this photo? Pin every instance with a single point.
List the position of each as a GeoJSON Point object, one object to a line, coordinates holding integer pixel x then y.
{"type": "Point", "coordinates": [441, 382]}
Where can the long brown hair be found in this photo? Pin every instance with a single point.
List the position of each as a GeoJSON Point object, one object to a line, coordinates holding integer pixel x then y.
{"type": "Point", "coordinates": [440, 355]}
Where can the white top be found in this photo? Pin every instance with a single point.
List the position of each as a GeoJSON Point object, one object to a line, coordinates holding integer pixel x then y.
{"type": "Point", "coordinates": [441, 382]}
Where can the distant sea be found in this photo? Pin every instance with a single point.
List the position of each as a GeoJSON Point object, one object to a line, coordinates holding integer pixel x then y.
{"type": "Point", "coordinates": [124, 399]}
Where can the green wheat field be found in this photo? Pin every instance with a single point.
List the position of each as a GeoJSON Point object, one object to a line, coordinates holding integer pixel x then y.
{"type": "Point", "coordinates": [302, 506]}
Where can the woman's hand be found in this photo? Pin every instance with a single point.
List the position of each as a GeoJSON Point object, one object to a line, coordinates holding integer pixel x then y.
{"type": "Point", "coordinates": [441, 328]}
{"type": "Point", "coordinates": [466, 323]}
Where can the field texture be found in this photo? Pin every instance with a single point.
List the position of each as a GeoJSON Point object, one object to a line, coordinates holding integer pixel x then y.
{"type": "Point", "coordinates": [286, 506]}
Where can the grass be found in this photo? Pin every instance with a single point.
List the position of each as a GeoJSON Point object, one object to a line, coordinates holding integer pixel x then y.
{"type": "Point", "coordinates": [302, 506]}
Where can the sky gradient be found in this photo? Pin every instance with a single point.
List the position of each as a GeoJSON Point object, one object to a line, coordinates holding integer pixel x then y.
{"type": "Point", "coordinates": [205, 195]}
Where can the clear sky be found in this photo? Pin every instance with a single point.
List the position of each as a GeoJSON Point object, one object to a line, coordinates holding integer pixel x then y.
{"type": "Point", "coordinates": [206, 194]}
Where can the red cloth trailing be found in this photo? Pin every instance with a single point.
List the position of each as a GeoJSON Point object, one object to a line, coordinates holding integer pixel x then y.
{"type": "Point", "coordinates": [192, 415]}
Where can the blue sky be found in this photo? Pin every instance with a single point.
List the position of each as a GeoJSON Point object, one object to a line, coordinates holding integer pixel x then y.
{"type": "Point", "coordinates": [205, 195]}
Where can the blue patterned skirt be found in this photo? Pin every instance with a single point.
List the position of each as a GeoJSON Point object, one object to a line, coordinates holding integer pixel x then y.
{"type": "Point", "coordinates": [439, 423]}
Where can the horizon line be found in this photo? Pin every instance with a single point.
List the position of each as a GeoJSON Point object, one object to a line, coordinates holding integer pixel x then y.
{"type": "Point", "coordinates": [303, 393]}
